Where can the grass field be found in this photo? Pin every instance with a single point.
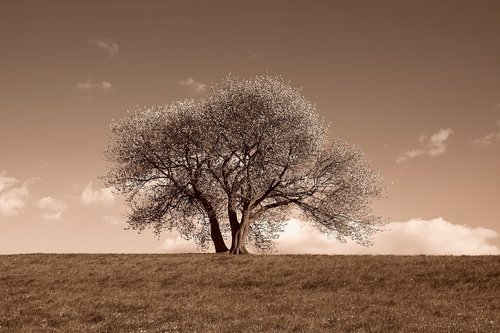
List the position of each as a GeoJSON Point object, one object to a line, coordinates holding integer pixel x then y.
{"type": "Point", "coordinates": [227, 293]}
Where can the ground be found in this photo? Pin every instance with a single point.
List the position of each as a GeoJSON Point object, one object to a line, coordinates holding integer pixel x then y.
{"type": "Point", "coordinates": [248, 293]}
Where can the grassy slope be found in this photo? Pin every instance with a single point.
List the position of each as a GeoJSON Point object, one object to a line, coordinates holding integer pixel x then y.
{"type": "Point", "coordinates": [225, 293]}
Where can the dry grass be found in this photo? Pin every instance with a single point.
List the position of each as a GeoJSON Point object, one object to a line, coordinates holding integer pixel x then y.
{"type": "Point", "coordinates": [226, 293]}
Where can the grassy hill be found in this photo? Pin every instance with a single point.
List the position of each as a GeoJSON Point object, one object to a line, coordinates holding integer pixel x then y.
{"type": "Point", "coordinates": [227, 293]}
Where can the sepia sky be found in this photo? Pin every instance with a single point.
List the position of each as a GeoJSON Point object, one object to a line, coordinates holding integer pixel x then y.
{"type": "Point", "coordinates": [415, 83]}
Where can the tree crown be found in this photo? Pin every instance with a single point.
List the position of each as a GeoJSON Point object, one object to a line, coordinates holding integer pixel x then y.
{"type": "Point", "coordinates": [252, 151]}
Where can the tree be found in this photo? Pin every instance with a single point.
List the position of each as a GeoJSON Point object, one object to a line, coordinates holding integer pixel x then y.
{"type": "Point", "coordinates": [160, 167]}
{"type": "Point", "coordinates": [250, 153]}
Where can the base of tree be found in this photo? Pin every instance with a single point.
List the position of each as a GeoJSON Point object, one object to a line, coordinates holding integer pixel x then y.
{"type": "Point", "coordinates": [239, 251]}
{"type": "Point", "coordinates": [221, 249]}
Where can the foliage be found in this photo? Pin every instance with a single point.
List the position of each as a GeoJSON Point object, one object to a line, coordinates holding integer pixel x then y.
{"type": "Point", "coordinates": [159, 165]}
{"type": "Point", "coordinates": [249, 154]}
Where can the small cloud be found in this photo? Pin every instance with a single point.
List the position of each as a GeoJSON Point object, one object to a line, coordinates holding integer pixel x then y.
{"type": "Point", "coordinates": [413, 237]}
{"type": "Point", "coordinates": [107, 45]}
{"type": "Point", "coordinates": [12, 198]}
{"type": "Point", "coordinates": [194, 86]}
{"type": "Point", "coordinates": [87, 86]}
{"type": "Point", "coordinates": [53, 208]}
{"type": "Point", "coordinates": [490, 138]}
{"type": "Point", "coordinates": [114, 220]}
{"type": "Point", "coordinates": [102, 196]}
{"type": "Point", "coordinates": [174, 243]}
{"type": "Point", "coordinates": [6, 182]}
{"type": "Point", "coordinates": [431, 146]}
{"type": "Point", "coordinates": [436, 144]}
{"type": "Point", "coordinates": [254, 56]}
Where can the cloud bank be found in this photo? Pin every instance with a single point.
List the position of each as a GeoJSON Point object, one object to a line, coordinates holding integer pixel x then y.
{"type": "Point", "coordinates": [107, 45]}
{"type": "Point", "coordinates": [413, 237]}
{"type": "Point", "coordinates": [13, 197]}
{"type": "Point", "coordinates": [430, 146]}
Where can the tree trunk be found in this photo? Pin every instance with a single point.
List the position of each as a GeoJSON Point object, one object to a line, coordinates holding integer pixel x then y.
{"type": "Point", "coordinates": [215, 233]}
{"type": "Point", "coordinates": [238, 242]}
{"type": "Point", "coordinates": [233, 222]}
{"type": "Point", "coordinates": [239, 237]}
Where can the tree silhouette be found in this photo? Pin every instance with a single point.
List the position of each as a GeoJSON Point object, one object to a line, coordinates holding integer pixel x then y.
{"type": "Point", "coordinates": [250, 154]}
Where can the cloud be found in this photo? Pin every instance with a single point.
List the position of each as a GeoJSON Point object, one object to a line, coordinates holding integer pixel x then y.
{"type": "Point", "coordinates": [53, 208]}
{"type": "Point", "coordinates": [107, 45]}
{"type": "Point", "coordinates": [102, 196]}
{"type": "Point", "coordinates": [87, 86]}
{"type": "Point", "coordinates": [12, 198]}
{"type": "Point", "coordinates": [176, 244]}
{"type": "Point", "coordinates": [194, 86]}
{"type": "Point", "coordinates": [490, 138]}
{"type": "Point", "coordinates": [413, 237]}
{"type": "Point", "coordinates": [114, 220]}
{"type": "Point", "coordinates": [416, 236]}
{"type": "Point", "coordinates": [433, 146]}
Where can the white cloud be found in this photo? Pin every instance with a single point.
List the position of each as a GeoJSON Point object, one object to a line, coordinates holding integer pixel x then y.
{"type": "Point", "coordinates": [107, 45]}
{"type": "Point", "coordinates": [194, 86]}
{"type": "Point", "coordinates": [490, 138]}
{"type": "Point", "coordinates": [86, 86]}
{"type": "Point", "coordinates": [12, 198]}
{"type": "Point", "coordinates": [416, 236]}
{"type": "Point", "coordinates": [430, 146]}
{"type": "Point", "coordinates": [176, 244]}
{"type": "Point", "coordinates": [6, 182]}
{"type": "Point", "coordinates": [413, 237]}
{"type": "Point", "coordinates": [53, 208]}
{"type": "Point", "coordinates": [114, 220]}
{"type": "Point", "coordinates": [102, 196]}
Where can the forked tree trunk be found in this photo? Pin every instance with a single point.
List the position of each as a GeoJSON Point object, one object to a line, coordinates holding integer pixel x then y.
{"type": "Point", "coordinates": [238, 242]}
{"type": "Point", "coordinates": [235, 225]}
{"type": "Point", "coordinates": [239, 235]}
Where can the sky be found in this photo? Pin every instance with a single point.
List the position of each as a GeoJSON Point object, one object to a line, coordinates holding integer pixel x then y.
{"type": "Point", "coordinates": [416, 84]}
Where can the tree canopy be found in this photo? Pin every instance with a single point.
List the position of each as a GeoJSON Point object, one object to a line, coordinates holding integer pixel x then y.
{"type": "Point", "coordinates": [238, 163]}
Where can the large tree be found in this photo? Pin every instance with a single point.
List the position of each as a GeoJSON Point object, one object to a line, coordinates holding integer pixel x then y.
{"type": "Point", "coordinates": [240, 162]}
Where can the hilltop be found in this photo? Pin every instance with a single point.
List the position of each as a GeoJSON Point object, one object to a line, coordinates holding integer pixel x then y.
{"type": "Point", "coordinates": [248, 293]}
